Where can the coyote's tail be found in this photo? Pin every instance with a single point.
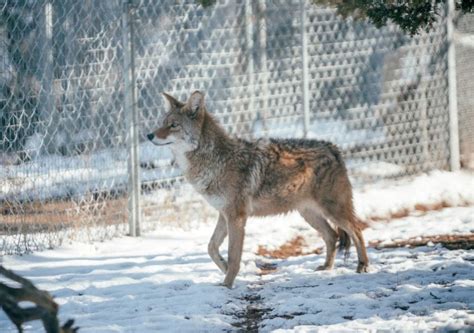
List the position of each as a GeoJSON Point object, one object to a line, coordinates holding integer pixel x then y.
{"type": "Point", "coordinates": [344, 242]}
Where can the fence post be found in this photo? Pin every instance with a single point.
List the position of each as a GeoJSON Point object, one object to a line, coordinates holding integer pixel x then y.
{"type": "Point", "coordinates": [263, 82]}
{"type": "Point", "coordinates": [304, 58]}
{"type": "Point", "coordinates": [46, 94]}
{"type": "Point", "coordinates": [131, 119]}
{"type": "Point", "coordinates": [454, 154]}
{"type": "Point", "coordinates": [250, 51]}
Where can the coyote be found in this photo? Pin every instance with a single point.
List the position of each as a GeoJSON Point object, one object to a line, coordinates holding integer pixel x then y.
{"type": "Point", "coordinates": [243, 178]}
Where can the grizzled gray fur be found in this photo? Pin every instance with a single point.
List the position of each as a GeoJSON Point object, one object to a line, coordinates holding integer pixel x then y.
{"type": "Point", "coordinates": [257, 178]}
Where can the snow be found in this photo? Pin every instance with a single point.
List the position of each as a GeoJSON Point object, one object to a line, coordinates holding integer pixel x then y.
{"type": "Point", "coordinates": [55, 176]}
{"type": "Point", "coordinates": [454, 221]}
{"type": "Point", "coordinates": [387, 197]}
{"type": "Point", "coordinates": [165, 280]}
{"type": "Point", "coordinates": [405, 290]}
{"type": "Point", "coordinates": [132, 285]}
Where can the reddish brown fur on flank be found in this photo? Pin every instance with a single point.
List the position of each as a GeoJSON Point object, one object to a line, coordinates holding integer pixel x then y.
{"type": "Point", "coordinates": [263, 177]}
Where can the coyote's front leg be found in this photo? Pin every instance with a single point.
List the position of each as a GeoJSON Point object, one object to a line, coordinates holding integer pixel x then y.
{"type": "Point", "coordinates": [220, 233]}
{"type": "Point", "coordinates": [236, 219]}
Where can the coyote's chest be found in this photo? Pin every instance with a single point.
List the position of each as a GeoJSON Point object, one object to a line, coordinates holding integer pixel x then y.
{"type": "Point", "coordinates": [206, 180]}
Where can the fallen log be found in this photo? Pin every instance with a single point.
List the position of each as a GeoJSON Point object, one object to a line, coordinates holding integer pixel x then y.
{"type": "Point", "coordinates": [44, 309]}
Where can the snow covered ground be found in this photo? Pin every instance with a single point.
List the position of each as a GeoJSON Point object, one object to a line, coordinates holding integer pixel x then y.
{"type": "Point", "coordinates": [407, 289]}
{"type": "Point", "coordinates": [165, 281]}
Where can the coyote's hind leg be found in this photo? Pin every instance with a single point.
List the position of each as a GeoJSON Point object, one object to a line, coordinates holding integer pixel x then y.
{"type": "Point", "coordinates": [318, 222]}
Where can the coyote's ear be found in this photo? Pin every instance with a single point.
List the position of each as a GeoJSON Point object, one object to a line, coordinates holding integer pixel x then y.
{"type": "Point", "coordinates": [195, 104]}
{"type": "Point", "coordinates": [173, 102]}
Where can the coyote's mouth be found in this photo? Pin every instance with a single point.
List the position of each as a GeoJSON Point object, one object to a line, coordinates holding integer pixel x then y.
{"type": "Point", "coordinates": [151, 137]}
{"type": "Point", "coordinates": [161, 144]}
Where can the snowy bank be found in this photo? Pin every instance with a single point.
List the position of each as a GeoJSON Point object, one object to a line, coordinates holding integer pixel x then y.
{"type": "Point", "coordinates": [166, 282]}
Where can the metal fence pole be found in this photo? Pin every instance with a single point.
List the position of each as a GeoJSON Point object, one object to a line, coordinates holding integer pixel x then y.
{"type": "Point", "coordinates": [46, 95]}
{"type": "Point", "coordinates": [262, 38]}
{"type": "Point", "coordinates": [131, 118]}
{"type": "Point", "coordinates": [424, 123]}
{"type": "Point", "coordinates": [304, 58]}
{"type": "Point", "coordinates": [250, 53]}
{"type": "Point", "coordinates": [454, 155]}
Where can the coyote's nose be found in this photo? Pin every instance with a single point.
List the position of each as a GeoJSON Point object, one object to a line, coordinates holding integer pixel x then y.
{"type": "Point", "coordinates": [150, 136]}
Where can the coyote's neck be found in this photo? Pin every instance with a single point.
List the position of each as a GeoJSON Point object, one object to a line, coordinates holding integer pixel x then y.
{"type": "Point", "coordinates": [213, 137]}
{"type": "Point", "coordinates": [208, 160]}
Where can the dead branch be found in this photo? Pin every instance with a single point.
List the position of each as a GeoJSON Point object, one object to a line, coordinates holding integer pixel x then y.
{"type": "Point", "coordinates": [45, 309]}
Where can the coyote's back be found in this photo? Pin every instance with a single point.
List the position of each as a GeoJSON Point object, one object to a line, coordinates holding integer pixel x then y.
{"type": "Point", "coordinates": [297, 170]}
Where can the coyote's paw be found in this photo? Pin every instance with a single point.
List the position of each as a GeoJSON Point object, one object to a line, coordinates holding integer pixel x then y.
{"type": "Point", "coordinates": [362, 268]}
{"type": "Point", "coordinates": [323, 268]}
{"type": "Point", "coordinates": [229, 280]}
{"type": "Point", "coordinates": [227, 285]}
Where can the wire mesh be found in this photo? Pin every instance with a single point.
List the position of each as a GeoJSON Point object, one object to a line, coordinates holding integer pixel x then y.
{"type": "Point", "coordinates": [380, 95]}
{"type": "Point", "coordinates": [62, 132]}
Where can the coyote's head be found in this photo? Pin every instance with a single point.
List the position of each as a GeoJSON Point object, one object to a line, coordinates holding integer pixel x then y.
{"type": "Point", "coordinates": [181, 125]}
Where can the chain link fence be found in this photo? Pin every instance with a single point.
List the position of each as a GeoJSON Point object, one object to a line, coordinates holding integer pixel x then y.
{"type": "Point", "coordinates": [63, 137]}
{"type": "Point", "coordinates": [81, 83]}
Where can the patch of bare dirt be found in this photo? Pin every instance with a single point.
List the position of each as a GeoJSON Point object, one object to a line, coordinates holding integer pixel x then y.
{"type": "Point", "coordinates": [250, 319]}
{"type": "Point", "coordinates": [451, 242]}
{"type": "Point", "coordinates": [292, 248]}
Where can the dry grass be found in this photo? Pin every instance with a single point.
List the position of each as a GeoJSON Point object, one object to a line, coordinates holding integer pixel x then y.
{"type": "Point", "coordinates": [53, 215]}
{"type": "Point", "coordinates": [452, 242]}
{"type": "Point", "coordinates": [420, 209]}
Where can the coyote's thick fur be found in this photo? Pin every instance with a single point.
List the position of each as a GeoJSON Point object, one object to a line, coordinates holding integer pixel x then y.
{"type": "Point", "coordinates": [263, 177]}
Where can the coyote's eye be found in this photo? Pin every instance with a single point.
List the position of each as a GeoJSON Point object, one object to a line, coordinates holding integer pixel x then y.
{"type": "Point", "coordinates": [174, 125]}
